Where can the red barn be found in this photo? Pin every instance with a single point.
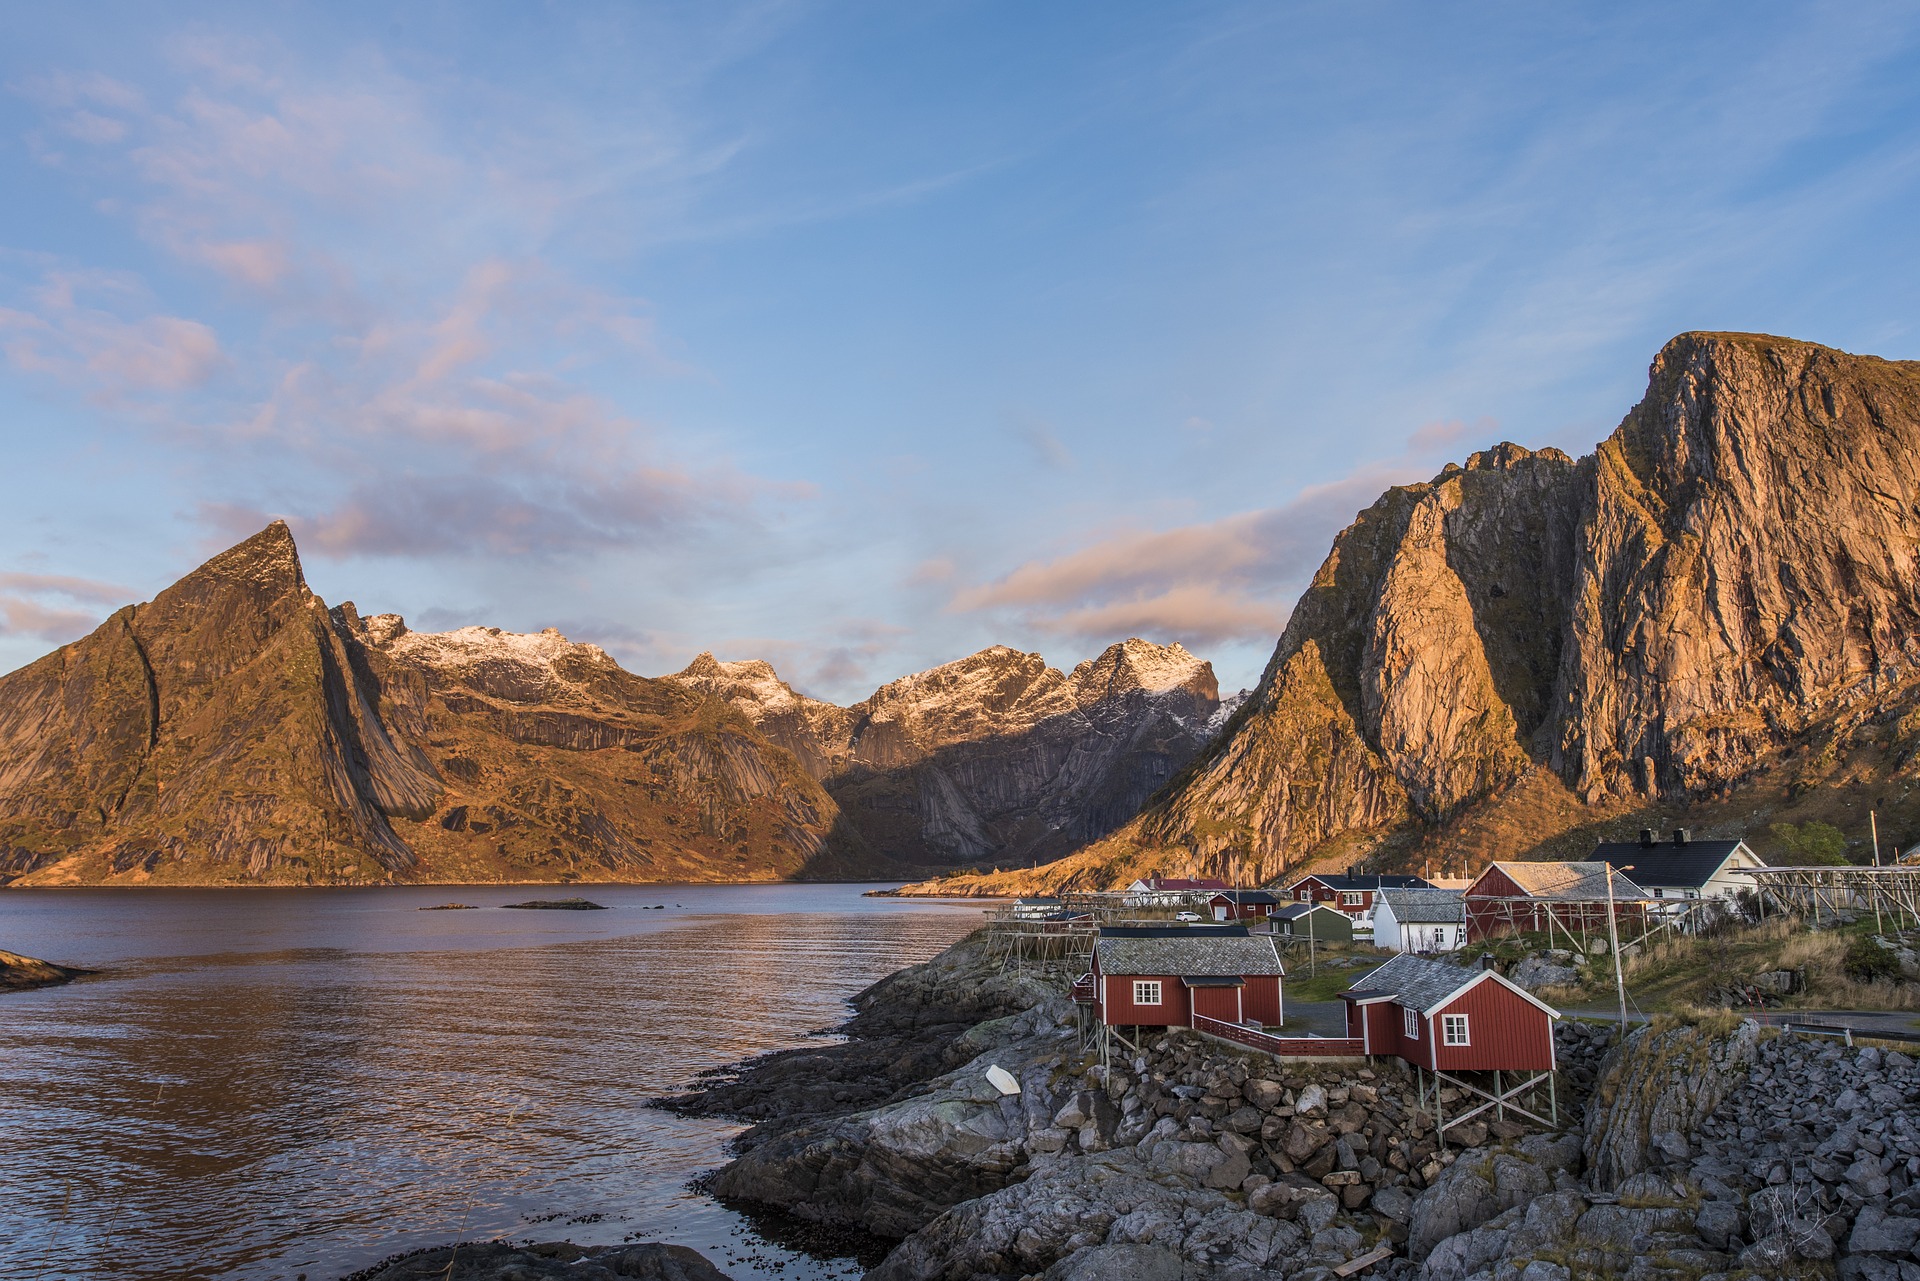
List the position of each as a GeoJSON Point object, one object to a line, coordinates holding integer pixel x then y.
{"type": "Point", "coordinates": [1148, 976]}
{"type": "Point", "coordinates": [1533, 897]}
{"type": "Point", "coordinates": [1448, 1019]}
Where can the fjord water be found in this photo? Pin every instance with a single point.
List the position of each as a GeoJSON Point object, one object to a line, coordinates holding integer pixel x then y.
{"type": "Point", "coordinates": [265, 1083]}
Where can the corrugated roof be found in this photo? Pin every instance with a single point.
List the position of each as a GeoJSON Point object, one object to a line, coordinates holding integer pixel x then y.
{"type": "Point", "coordinates": [1202, 955]}
{"type": "Point", "coordinates": [1586, 881]}
{"type": "Point", "coordinates": [1425, 907]}
{"type": "Point", "coordinates": [1688, 866]}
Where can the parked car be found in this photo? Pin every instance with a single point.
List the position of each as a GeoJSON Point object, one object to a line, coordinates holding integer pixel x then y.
{"type": "Point", "coordinates": [1186, 916]}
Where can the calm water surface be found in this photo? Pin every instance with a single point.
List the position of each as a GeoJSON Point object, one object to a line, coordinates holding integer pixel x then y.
{"type": "Point", "coordinates": [266, 1083]}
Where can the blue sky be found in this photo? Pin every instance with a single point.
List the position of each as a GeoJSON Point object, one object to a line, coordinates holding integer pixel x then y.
{"type": "Point", "coordinates": [859, 336]}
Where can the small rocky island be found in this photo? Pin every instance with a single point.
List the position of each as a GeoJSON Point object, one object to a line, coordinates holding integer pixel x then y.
{"type": "Point", "coordinates": [17, 972]}
{"type": "Point", "coordinates": [1710, 1148]}
{"type": "Point", "coordinates": [558, 905]}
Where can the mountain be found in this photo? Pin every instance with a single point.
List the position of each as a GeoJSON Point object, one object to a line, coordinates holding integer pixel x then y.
{"type": "Point", "coordinates": [235, 730]}
{"type": "Point", "coordinates": [1715, 618]}
{"type": "Point", "coordinates": [996, 756]}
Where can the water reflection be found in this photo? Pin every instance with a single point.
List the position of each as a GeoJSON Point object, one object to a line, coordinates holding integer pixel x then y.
{"type": "Point", "coordinates": [273, 1084]}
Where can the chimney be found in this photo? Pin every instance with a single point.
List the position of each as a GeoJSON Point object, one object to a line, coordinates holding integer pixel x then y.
{"type": "Point", "coordinates": [1680, 835]}
{"type": "Point", "coordinates": [1486, 961]}
{"type": "Point", "coordinates": [1648, 838]}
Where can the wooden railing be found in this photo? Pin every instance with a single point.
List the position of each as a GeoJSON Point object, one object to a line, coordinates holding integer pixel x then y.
{"type": "Point", "coordinates": [1083, 989]}
{"type": "Point", "coordinates": [1292, 1047]}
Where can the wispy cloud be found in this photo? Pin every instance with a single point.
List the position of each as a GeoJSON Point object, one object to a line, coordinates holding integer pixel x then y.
{"type": "Point", "coordinates": [412, 373]}
{"type": "Point", "coordinates": [1203, 584]}
{"type": "Point", "coordinates": [49, 607]}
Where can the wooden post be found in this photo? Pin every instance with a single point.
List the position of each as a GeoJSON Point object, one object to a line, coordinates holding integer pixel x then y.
{"type": "Point", "coordinates": [1613, 937]}
{"type": "Point", "coordinates": [1500, 1109]}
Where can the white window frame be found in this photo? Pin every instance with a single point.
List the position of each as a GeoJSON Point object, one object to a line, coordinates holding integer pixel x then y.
{"type": "Point", "coordinates": [1410, 1023]}
{"type": "Point", "coordinates": [1455, 1030]}
{"type": "Point", "coordinates": [1658, 892]}
{"type": "Point", "coordinates": [1353, 898]}
{"type": "Point", "coordinates": [1146, 992]}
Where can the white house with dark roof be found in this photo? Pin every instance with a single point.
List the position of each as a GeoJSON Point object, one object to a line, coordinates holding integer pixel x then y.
{"type": "Point", "coordinates": [1420, 920]}
{"type": "Point", "coordinates": [1682, 868]}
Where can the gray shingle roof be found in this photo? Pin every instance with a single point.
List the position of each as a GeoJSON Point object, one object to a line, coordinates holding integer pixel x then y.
{"type": "Point", "coordinates": [1198, 956]}
{"type": "Point", "coordinates": [1426, 907]}
{"type": "Point", "coordinates": [1691, 865]}
{"type": "Point", "coordinates": [1299, 910]}
{"type": "Point", "coordinates": [1414, 981]}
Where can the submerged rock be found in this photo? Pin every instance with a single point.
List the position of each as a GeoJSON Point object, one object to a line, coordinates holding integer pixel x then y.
{"type": "Point", "coordinates": [505, 1261]}
{"type": "Point", "coordinates": [18, 972]}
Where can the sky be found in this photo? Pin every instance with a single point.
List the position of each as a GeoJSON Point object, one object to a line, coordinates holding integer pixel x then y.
{"type": "Point", "coordinates": [860, 336]}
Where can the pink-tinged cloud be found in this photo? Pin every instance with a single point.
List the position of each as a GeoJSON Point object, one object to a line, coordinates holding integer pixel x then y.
{"type": "Point", "coordinates": [1232, 579]}
{"type": "Point", "coordinates": [25, 609]}
{"type": "Point", "coordinates": [73, 327]}
{"type": "Point", "coordinates": [22, 617]}
{"type": "Point", "coordinates": [259, 264]}
{"type": "Point", "coordinates": [1196, 614]}
{"type": "Point", "coordinates": [83, 589]}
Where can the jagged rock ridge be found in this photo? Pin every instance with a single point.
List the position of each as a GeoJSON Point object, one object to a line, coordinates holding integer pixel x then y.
{"type": "Point", "coordinates": [236, 730]}
{"type": "Point", "coordinates": [996, 755]}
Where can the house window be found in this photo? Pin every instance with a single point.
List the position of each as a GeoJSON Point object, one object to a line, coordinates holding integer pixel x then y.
{"type": "Point", "coordinates": [1659, 893]}
{"type": "Point", "coordinates": [1410, 1024]}
{"type": "Point", "coordinates": [1351, 898]}
{"type": "Point", "coordinates": [1146, 991]}
{"type": "Point", "coordinates": [1693, 893]}
{"type": "Point", "coordinates": [1453, 1029]}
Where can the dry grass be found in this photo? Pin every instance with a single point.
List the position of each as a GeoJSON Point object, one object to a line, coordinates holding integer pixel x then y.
{"type": "Point", "coordinates": [1677, 972]}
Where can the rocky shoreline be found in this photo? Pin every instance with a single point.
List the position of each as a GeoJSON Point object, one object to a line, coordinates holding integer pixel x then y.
{"type": "Point", "coordinates": [1690, 1152]}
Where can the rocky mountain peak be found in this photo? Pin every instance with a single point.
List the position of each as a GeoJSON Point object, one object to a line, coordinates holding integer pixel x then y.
{"type": "Point", "coordinates": [1140, 664]}
{"type": "Point", "coordinates": [750, 684]}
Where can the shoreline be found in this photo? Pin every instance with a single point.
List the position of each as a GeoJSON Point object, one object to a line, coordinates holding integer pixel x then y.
{"type": "Point", "coordinates": [1198, 1160]}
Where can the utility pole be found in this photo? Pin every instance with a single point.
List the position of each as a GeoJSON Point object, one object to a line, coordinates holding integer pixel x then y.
{"type": "Point", "coordinates": [1613, 941]}
{"type": "Point", "coordinates": [1873, 824]}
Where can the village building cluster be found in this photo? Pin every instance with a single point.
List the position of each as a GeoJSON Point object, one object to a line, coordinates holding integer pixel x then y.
{"type": "Point", "coordinates": [1218, 966]}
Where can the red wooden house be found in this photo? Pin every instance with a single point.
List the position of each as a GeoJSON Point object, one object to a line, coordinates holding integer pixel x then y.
{"type": "Point", "coordinates": [1534, 897]}
{"type": "Point", "coordinates": [1445, 1018]}
{"type": "Point", "coordinates": [1243, 905]}
{"type": "Point", "coordinates": [1350, 894]}
{"type": "Point", "coordinates": [1148, 976]}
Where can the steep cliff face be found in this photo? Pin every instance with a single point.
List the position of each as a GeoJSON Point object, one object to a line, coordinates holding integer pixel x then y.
{"type": "Point", "coordinates": [995, 756]}
{"type": "Point", "coordinates": [1745, 565]}
{"type": "Point", "coordinates": [236, 731]}
{"type": "Point", "coordinates": [1727, 584]}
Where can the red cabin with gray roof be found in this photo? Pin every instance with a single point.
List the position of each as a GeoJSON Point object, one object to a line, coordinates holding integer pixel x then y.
{"type": "Point", "coordinates": [1148, 976]}
{"type": "Point", "coordinates": [1450, 1019]}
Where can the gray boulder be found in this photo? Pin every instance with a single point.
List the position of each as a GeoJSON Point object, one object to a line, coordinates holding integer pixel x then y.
{"type": "Point", "coordinates": [1877, 1232]}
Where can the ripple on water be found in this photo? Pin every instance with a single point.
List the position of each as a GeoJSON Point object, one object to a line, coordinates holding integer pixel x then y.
{"type": "Point", "coordinates": [318, 1083]}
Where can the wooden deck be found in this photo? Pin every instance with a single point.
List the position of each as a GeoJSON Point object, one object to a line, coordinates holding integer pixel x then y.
{"type": "Point", "coordinates": [1286, 1047]}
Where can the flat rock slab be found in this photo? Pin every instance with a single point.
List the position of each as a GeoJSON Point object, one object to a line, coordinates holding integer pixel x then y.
{"type": "Point", "coordinates": [17, 972]}
{"type": "Point", "coordinates": [559, 905]}
{"type": "Point", "coordinates": [503, 1261]}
